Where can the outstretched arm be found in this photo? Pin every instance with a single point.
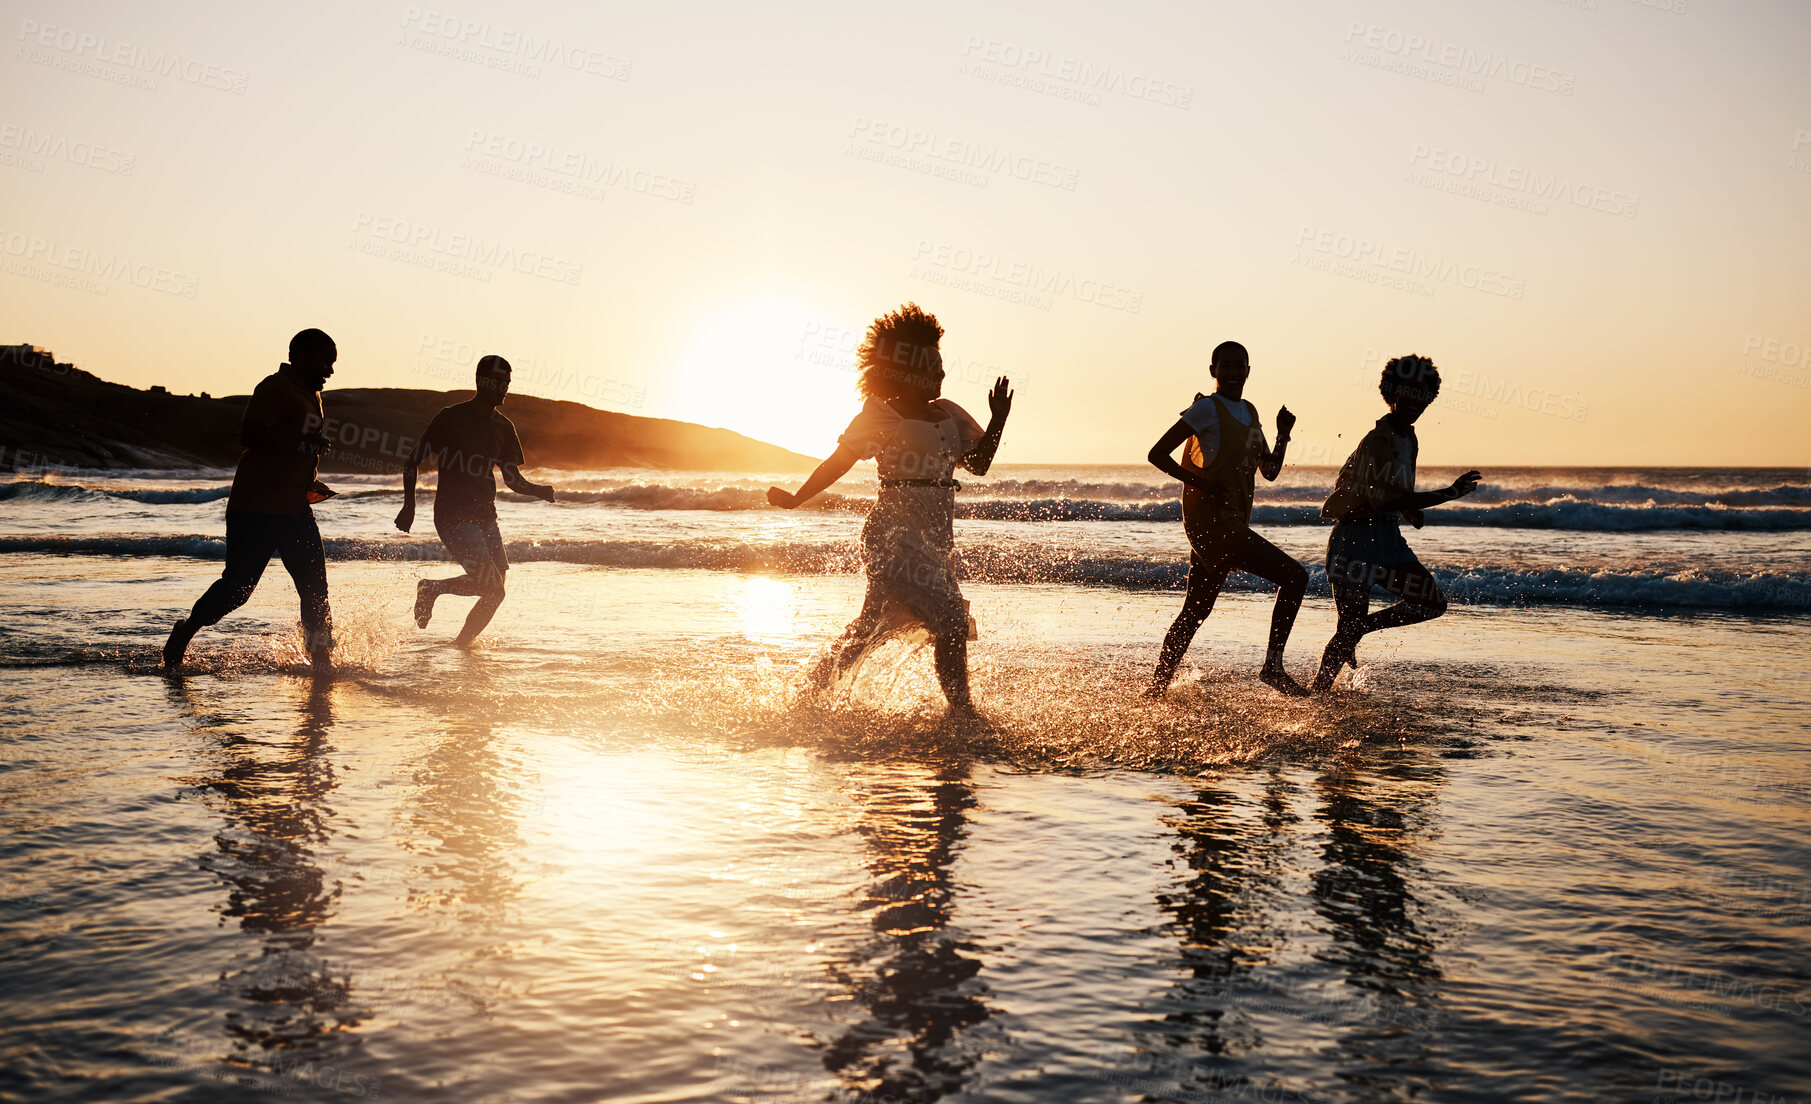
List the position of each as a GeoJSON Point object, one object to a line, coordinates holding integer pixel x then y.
{"type": "Point", "coordinates": [1420, 500]}
{"type": "Point", "coordinates": [834, 467]}
{"type": "Point", "coordinates": [512, 478]}
{"type": "Point", "coordinates": [1162, 454]}
{"type": "Point", "coordinates": [999, 404]}
{"type": "Point", "coordinates": [1271, 463]}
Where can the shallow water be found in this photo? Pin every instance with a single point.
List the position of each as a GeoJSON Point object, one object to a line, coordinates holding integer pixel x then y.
{"type": "Point", "coordinates": [1555, 851]}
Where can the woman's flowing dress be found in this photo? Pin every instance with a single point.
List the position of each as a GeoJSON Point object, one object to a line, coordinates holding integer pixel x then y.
{"type": "Point", "coordinates": [909, 539]}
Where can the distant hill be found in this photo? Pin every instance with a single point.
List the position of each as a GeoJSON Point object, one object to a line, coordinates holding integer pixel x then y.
{"type": "Point", "coordinates": [57, 414]}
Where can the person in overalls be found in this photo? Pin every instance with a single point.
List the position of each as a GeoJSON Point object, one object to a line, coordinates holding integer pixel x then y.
{"type": "Point", "coordinates": [1226, 448]}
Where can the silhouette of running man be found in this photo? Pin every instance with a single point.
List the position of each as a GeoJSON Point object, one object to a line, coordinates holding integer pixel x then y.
{"type": "Point", "coordinates": [1226, 448]}
{"type": "Point", "coordinates": [270, 508]}
{"type": "Point", "coordinates": [466, 440]}
{"type": "Point", "coordinates": [1366, 549]}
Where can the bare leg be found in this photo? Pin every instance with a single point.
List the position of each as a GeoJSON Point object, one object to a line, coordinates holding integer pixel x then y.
{"type": "Point", "coordinates": [951, 652]}
{"type": "Point", "coordinates": [1421, 601]}
{"type": "Point", "coordinates": [1257, 556]}
{"type": "Point", "coordinates": [490, 591]}
{"type": "Point", "coordinates": [1204, 583]}
{"type": "Point", "coordinates": [1352, 600]}
{"type": "Point", "coordinates": [427, 591]}
{"type": "Point", "coordinates": [1420, 594]}
{"type": "Point", "coordinates": [482, 612]}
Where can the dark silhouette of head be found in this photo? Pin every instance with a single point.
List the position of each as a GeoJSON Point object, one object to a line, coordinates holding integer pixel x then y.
{"type": "Point", "coordinates": [1409, 385]}
{"type": "Point", "coordinates": [1230, 364]}
{"type": "Point", "coordinates": [311, 354]}
{"type": "Point", "coordinates": [492, 379]}
{"type": "Point", "coordinates": [899, 356]}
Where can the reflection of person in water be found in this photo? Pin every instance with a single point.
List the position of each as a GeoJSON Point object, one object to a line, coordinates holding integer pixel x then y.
{"type": "Point", "coordinates": [1371, 980]}
{"type": "Point", "coordinates": [917, 439]}
{"type": "Point", "coordinates": [466, 440]}
{"type": "Point", "coordinates": [1367, 889]}
{"type": "Point", "coordinates": [919, 990]}
{"type": "Point", "coordinates": [276, 819]}
{"type": "Point", "coordinates": [1375, 487]}
{"type": "Point", "coordinates": [1222, 906]}
{"type": "Point", "coordinates": [1226, 450]}
{"type": "Point", "coordinates": [269, 510]}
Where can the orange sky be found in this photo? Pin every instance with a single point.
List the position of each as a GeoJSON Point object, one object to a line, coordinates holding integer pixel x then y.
{"type": "Point", "coordinates": [1593, 215]}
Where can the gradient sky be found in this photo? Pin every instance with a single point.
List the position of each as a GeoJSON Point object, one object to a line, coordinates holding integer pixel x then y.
{"type": "Point", "coordinates": [692, 210]}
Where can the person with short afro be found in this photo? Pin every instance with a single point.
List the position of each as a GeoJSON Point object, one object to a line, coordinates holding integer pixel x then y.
{"type": "Point", "coordinates": [1374, 492]}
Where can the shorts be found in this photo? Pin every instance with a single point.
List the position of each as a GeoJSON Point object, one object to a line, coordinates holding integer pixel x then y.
{"type": "Point", "coordinates": [476, 545]}
{"type": "Point", "coordinates": [1362, 550]}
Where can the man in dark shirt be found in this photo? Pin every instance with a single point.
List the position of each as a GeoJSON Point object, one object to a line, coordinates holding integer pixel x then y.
{"type": "Point", "coordinates": [466, 440]}
{"type": "Point", "coordinates": [269, 510]}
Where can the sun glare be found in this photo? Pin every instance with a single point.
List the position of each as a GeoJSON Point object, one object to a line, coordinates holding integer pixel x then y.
{"type": "Point", "coordinates": [768, 608]}
{"type": "Point", "coordinates": [774, 370]}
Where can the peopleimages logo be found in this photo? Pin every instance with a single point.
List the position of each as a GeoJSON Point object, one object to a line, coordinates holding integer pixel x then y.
{"type": "Point", "coordinates": [70, 265]}
{"type": "Point", "coordinates": [1460, 61]}
{"type": "Point", "coordinates": [1409, 263]}
{"type": "Point", "coordinates": [1026, 281]}
{"type": "Point", "coordinates": [130, 63]}
{"type": "Point", "coordinates": [519, 51]}
{"type": "Point", "coordinates": [1477, 176]}
{"type": "Point", "coordinates": [30, 149]}
{"type": "Point", "coordinates": [942, 149]}
{"type": "Point", "coordinates": [460, 254]}
{"type": "Point", "coordinates": [547, 165]}
{"type": "Point", "coordinates": [995, 60]}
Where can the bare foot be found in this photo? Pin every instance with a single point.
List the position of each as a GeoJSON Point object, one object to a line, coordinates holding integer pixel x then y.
{"type": "Point", "coordinates": [1278, 679]}
{"type": "Point", "coordinates": [963, 710]}
{"type": "Point", "coordinates": [1336, 656]}
{"type": "Point", "coordinates": [1155, 692]}
{"type": "Point", "coordinates": [178, 644]}
{"type": "Point", "coordinates": [323, 663]}
{"type": "Point", "coordinates": [424, 602]}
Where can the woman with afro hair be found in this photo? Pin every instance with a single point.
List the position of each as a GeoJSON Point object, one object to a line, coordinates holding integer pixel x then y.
{"type": "Point", "coordinates": [917, 439]}
{"type": "Point", "coordinates": [1375, 488]}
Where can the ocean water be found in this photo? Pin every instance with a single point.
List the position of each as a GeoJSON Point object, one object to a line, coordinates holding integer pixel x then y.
{"type": "Point", "coordinates": [1551, 846]}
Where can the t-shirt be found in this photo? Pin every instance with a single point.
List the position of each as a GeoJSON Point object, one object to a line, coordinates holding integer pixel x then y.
{"type": "Point", "coordinates": [1380, 470]}
{"type": "Point", "coordinates": [466, 440]}
{"type": "Point", "coordinates": [906, 448]}
{"type": "Point", "coordinates": [1202, 418]}
{"type": "Point", "coordinates": [270, 481]}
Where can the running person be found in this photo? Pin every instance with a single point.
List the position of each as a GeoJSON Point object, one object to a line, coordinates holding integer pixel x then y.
{"type": "Point", "coordinates": [466, 441]}
{"type": "Point", "coordinates": [917, 439]}
{"type": "Point", "coordinates": [1226, 448]}
{"type": "Point", "coordinates": [270, 508]}
{"type": "Point", "coordinates": [1366, 549]}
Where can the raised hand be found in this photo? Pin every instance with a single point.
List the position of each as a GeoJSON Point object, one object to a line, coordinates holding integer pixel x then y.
{"type": "Point", "coordinates": [999, 400]}
{"type": "Point", "coordinates": [315, 444]}
{"type": "Point", "coordinates": [1285, 421]}
{"type": "Point", "coordinates": [781, 497]}
{"type": "Point", "coordinates": [1465, 484]}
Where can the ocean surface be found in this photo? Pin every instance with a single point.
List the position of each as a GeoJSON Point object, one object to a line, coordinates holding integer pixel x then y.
{"type": "Point", "coordinates": [1553, 846]}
